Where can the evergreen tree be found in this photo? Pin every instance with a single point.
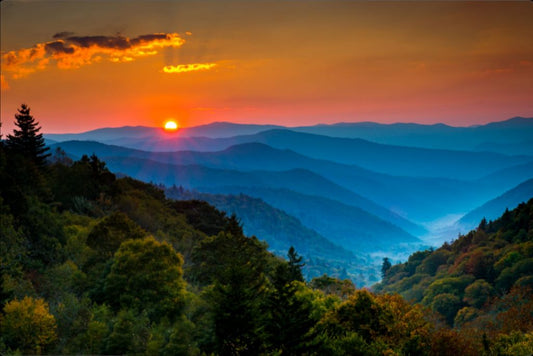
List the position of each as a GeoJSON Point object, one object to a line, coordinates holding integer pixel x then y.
{"type": "Point", "coordinates": [385, 267]}
{"type": "Point", "coordinates": [295, 265]}
{"type": "Point", "coordinates": [290, 323]}
{"type": "Point", "coordinates": [28, 141]}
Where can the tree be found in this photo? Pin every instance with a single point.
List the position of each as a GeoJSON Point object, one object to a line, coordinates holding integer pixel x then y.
{"type": "Point", "coordinates": [27, 325]}
{"type": "Point", "coordinates": [290, 322]}
{"type": "Point", "coordinates": [447, 305]}
{"type": "Point", "coordinates": [478, 293]}
{"type": "Point", "coordinates": [107, 236]}
{"type": "Point", "coordinates": [295, 265]}
{"type": "Point", "coordinates": [235, 265]}
{"type": "Point", "coordinates": [28, 141]}
{"type": "Point", "coordinates": [147, 275]}
{"type": "Point", "coordinates": [130, 334]}
{"type": "Point", "coordinates": [333, 286]}
{"type": "Point", "coordinates": [385, 267]}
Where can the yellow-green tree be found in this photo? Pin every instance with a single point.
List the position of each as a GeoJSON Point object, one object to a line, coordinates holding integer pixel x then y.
{"type": "Point", "coordinates": [147, 275]}
{"type": "Point", "coordinates": [27, 325]}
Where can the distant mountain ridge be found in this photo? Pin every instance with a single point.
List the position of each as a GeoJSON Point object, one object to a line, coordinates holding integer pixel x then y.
{"type": "Point", "coordinates": [408, 187]}
{"type": "Point", "coordinates": [301, 181]}
{"type": "Point", "coordinates": [393, 160]}
{"type": "Point", "coordinates": [499, 137]}
{"type": "Point", "coordinates": [212, 130]}
{"type": "Point", "coordinates": [413, 197]}
{"type": "Point", "coordinates": [496, 207]}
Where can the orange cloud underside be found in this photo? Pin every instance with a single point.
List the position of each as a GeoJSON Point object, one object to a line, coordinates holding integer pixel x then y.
{"type": "Point", "coordinates": [75, 52]}
{"type": "Point", "coordinates": [184, 68]}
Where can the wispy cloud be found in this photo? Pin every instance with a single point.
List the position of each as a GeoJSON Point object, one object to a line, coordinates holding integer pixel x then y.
{"type": "Point", "coordinates": [67, 51]}
{"type": "Point", "coordinates": [183, 68]}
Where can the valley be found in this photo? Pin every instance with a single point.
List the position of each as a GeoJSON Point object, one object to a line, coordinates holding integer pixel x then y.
{"type": "Point", "coordinates": [369, 198]}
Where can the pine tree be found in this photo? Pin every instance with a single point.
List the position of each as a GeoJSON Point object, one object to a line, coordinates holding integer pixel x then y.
{"type": "Point", "coordinates": [295, 265]}
{"type": "Point", "coordinates": [28, 141]}
{"type": "Point", "coordinates": [289, 325]}
{"type": "Point", "coordinates": [385, 267]}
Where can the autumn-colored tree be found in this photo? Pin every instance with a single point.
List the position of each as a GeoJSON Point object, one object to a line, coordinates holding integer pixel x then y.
{"type": "Point", "coordinates": [28, 326]}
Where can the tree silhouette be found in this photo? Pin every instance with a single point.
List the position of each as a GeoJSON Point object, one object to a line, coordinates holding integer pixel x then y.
{"type": "Point", "coordinates": [385, 267]}
{"type": "Point", "coordinates": [295, 265]}
{"type": "Point", "coordinates": [28, 141]}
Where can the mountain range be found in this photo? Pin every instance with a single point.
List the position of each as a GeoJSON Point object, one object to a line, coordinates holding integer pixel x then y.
{"type": "Point", "coordinates": [512, 136]}
{"type": "Point", "coordinates": [364, 187]}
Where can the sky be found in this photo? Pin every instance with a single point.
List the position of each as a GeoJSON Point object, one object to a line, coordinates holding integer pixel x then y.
{"type": "Point", "coordinates": [82, 65]}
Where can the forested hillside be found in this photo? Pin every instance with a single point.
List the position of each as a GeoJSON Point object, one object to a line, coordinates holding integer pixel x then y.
{"type": "Point", "coordinates": [281, 231]}
{"type": "Point", "coordinates": [480, 282]}
{"type": "Point", "coordinates": [92, 264]}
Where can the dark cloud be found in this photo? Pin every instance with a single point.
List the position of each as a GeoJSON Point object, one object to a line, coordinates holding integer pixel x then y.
{"type": "Point", "coordinates": [58, 47]}
{"type": "Point", "coordinates": [67, 51]}
{"type": "Point", "coordinates": [63, 34]}
{"type": "Point", "coordinates": [116, 42]}
{"type": "Point", "coordinates": [149, 38]}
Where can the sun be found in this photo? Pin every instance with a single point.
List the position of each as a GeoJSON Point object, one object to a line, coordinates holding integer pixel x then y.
{"type": "Point", "coordinates": [171, 125]}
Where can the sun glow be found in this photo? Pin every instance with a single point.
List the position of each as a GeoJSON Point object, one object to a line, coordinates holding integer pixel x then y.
{"type": "Point", "coordinates": [171, 125]}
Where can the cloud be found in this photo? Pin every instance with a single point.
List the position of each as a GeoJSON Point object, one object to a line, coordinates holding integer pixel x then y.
{"type": "Point", "coordinates": [58, 47]}
{"type": "Point", "coordinates": [183, 68]}
{"type": "Point", "coordinates": [63, 34]}
{"type": "Point", "coordinates": [67, 51]}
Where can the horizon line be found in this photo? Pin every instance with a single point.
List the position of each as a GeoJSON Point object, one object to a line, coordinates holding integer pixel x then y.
{"type": "Point", "coordinates": [291, 127]}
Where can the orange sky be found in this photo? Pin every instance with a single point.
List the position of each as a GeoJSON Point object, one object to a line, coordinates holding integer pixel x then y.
{"type": "Point", "coordinates": [115, 63]}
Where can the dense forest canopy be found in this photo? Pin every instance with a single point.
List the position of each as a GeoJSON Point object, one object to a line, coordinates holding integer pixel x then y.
{"type": "Point", "coordinates": [93, 264]}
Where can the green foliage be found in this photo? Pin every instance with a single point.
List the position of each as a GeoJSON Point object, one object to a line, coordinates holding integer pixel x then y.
{"type": "Point", "coordinates": [201, 215]}
{"type": "Point", "coordinates": [478, 293]}
{"type": "Point", "coordinates": [462, 280]}
{"type": "Point", "coordinates": [447, 305]}
{"type": "Point", "coordinates": [13, 254]}
{"type": "Point", "coordinates": [146, 275]}
{"type": "Point", "coordinates": [112, 231]}
{"type": "Point", "coordinates": [235, 265]}
{"type": "Point", "coordinates": [44, 231]}
{"type": "Point", "coordinates": [290, 322]}
{"type": "Point", "coordinates": [448, 285]}
{"type": "Point", "coordinates": [465, 315]}
{"type": "Point", "coordinates": [514, 344]}
{"type": "Point", "coordinates": [214, 258]}
{"type": "Point", "coordinates": [333, 286]}
{"type": "Point", "coordinates": [81, 198]}
{"type": "Point", "coordinates": [79, 276]}
{"type": "Point", "coordinates": [130, 334]}
{"type": "Point", "coordinates": [432, 262]}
